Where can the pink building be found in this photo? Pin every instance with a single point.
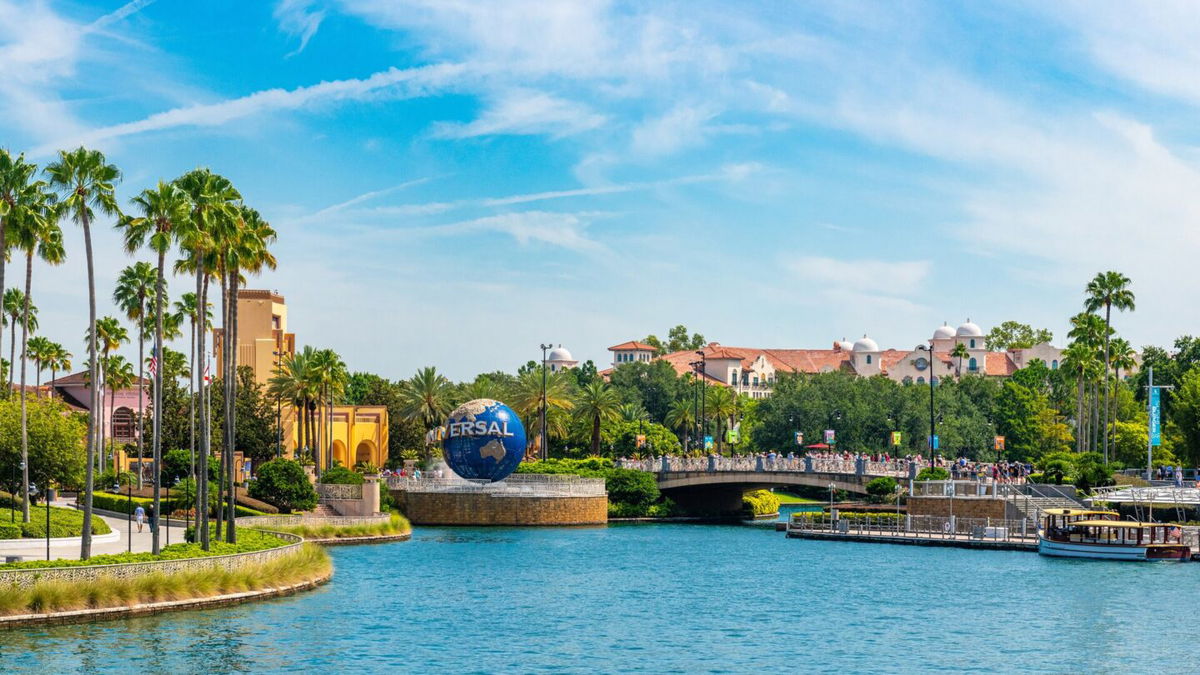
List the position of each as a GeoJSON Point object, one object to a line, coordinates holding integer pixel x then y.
{"type": "Point", "coordinates": [120, 407]}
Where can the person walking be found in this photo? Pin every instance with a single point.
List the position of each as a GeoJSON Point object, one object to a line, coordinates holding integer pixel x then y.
{"type": "Point", "coordinates": [153, 518]}
{"type": "Point", "coordinates": [139, 514]}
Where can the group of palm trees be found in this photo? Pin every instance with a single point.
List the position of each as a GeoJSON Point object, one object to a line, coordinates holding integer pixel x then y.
{"type": "Point", "coordinates": [1095, 357]}
{"type": "Point", "coordinates": [311, 381]}
{"type": "Point", "coordinates": [200, 216]}
{"type": "Point", "coordinates": [428, 397]}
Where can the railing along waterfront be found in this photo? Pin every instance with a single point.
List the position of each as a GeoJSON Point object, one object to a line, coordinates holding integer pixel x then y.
{"type": "Point", "coordinates": [917, 527]}
{"type": "Point", "coordinates": [898, 468]}
{"type": "Point", "coordinates": [520, 484]}
{"type": "Point", "coordinates": [338, 491]}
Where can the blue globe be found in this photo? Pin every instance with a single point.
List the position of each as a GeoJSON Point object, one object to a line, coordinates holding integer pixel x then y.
{"type": "Point", "coordinates": [484, 440]}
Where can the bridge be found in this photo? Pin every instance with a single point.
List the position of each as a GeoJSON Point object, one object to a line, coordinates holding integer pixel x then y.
{"type": "Point", "coordinates": [718, 483]}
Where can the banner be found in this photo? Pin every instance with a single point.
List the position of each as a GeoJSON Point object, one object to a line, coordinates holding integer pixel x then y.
{"type": "Point", "coordinates": [895, 438]}
{"type": "Point", "coordinates": [708, 442]}
{"type": "Point", "coordinates": [1155, 413]}
{"type": "Point", "coordinates": [830, 436]}
{"type": "Point", "coordinates": [999, 443]}
{"type": "Point", "coordinates": [933, 441]}
{"type": "Point", "coordinates": [732, 435]}
{"type": "Point", "coordinates": [639, 440]}
{"type": "Point", "coordinates": [799, 438]}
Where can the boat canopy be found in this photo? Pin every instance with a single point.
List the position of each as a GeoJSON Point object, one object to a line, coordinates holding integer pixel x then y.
{"type": "Point", "coordinates": [1119, 523]}
{"type": "Point", "coordinates": [1079, 512]}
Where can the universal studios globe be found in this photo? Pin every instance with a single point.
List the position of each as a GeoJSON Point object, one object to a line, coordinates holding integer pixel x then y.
{"type": "Point", "coordinates": [484, 440]}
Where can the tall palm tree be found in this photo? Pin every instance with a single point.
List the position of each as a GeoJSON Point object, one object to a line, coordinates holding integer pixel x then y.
{"type": "Point", "coordinates": [960, 352]}
{"type": "Point", "coordinates": [425, 397]}
{"type": "Point", "coordinates": [597, 403]}
{"type": "Point", "coordinates": [59, 359]}
{"type": "Point", "coordinates": [1108, 290]}
{"type": "Point", "coordinates": [332, 377]}
{"type": "Point", "coordinates": [187, 306]}
{"type": "Point", "coordinates": [294, 381]}
{"type": "Point", "coordinates": [212, 204]}
{"type": "Point", "coordinates": [1091, 331]}
{"type": "Point", "coordinates": [526, 400]}
{"type": "Point", "coordinates": [1121, 356]}
{"type": "Point", "coordinates": [84, 181]}
{"type": "Point", "coordinates": [134, 285]}
{"type": "Point", "coordinates": [681, 416]}
{"type": "Point", "coordinates": [174, 365]}
{"type": "Point", "coordinates": [40, 351]}
{"type": "Point", "coordinates": [15, 314]}
{"type": "Point", "coordinates": [633, 412]}
{"type": "Point", "coordinates": [720, 405]}
{"type": "Point", "coordinates": [36, 232]}
{"type": "Point", "coordinates": [1079, 361]}
{"type": "Point", "coordinates": [161, 210]}
{"type": "Point", "coordinates": [19, 194]}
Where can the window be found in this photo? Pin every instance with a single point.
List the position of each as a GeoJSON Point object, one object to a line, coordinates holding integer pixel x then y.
{"type": "Point", "coordinates": [733, 379]}
{"type": "Point", "coordinates": [972, 364]}
{"type": "Point", "coordinates": [921, 380]}
{"type": "Point", "coordinates": [907, 380]}
{"type": "Point", "coordinates": [868, 359]}
{"type": "Point", "coordinates": [1054, 364]}
{"type": "Point", "coordinates": [972, 343]}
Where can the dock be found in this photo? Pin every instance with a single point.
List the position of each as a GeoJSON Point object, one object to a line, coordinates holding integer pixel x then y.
{"type": "Point", "coordinates": [916, 530]}
{"type": "Point", "coordinates": [914, 539]}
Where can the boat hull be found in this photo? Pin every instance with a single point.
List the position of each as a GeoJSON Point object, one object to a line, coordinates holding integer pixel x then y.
{"type": "Point", "coordinates": [1064, 549]}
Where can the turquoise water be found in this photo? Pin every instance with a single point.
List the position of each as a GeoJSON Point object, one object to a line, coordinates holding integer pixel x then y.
{"type": "Point", "coordinates": [663, 598]}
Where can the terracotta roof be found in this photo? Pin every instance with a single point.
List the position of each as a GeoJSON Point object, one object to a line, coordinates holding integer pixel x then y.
{"type": "Point", "coordinates": [633, 345]}
{"type": "Point", "coordinates": [999, 364]}
{"type": "Point", "coordinates": [80, 380]}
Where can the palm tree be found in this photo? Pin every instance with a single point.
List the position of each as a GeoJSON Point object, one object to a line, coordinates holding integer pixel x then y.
{"type": "Point", "coordinates": [36, 231]}
{"type": "Point", "coordinates": [526, 400]}
{"type": "Point", "coordinates": [597, 403]}
{"type": "Point", "coordinates": [186, 306]}
{"type": "Point", "coordinates": [14, 312]}
{"type": "Point", "coordinates": [84, 181]}
{"type": "Point", "coordinates": [425, 397]}
{"type": "Point", "coordinates": [110, 335]}
{"type": "Point", "coordinates": [59, 359]}
{"type": "Point", "coordinates": [212, 203]}
{"type": "Point", "coordinates": [1121, 356]}
{"type": "Point", "coordinates": [332, 377]}
{"type": "Point", "coordinates": [135, 283]}
{"type": "Point", "coordinates": [721, 405]}
{"type": "Point", "coordinates": [118, 376]}
{"type": "Point", "coordinates": [1079, 360]}
{"type": "Point", "coordinates": [1108, 290]}
{"type": "Point", "coordinates": [19, 194]}
{"type": "Point", "coordinates": [294, 381]}
{"type": "Point", "coordinates": [162, 210]}
{"type": "Point", "coordinates": [681, 416]}
{"type": "Point", "coordinates": [633, 412]}
{"type": "Point", "coordinates": [960, 352]}
{"type": "Point", "coordinates": [41, 351]}
{"type": "Point", "coordinates": [1089, 330]}
{"type": "Point", "coordinates": [174, 365]}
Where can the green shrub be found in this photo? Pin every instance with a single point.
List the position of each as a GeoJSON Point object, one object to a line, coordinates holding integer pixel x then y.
{"type": "Point", "coordinates": [760, 503]}
{"type": "Point", "coordinates": [177, 465]}
{"type": "Point", "coordinates": [63, 523]}
{"type": "Point", "coordinates": [284, 483]}
{"type": "Point", "coordinates": [10, 501]}
{"type": "Point", "coordinates": [109, 478]}
{"type": "Point", "coordinates": [933, 473]}
{"type": "Point", "coordinates": [340, 475]}
{"type": "Point", "coordinates": [10, 531]}
{"type": "Point", "coordinates": [631, 487]}
{"type": "Point", "coordinates": [881, 489]}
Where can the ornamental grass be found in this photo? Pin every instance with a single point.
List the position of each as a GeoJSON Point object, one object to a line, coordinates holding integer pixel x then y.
{"type": "Point", "coordinates": [307, 563]}
{"type": "Point", "coordinates": [398, 524]}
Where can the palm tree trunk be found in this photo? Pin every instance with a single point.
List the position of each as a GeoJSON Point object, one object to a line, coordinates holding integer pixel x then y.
{"type": "Point", "coordinates": [595, 434]}
{"type": "Point", "coordinates": [24, 412]}
{"type": "Point", "coordinates": [141, 392]}
{"type": "Point", "coordinates": [231, 417]}
{"type": "Point", "coordinates": [156, 404]}
{"type": "Point", "coordinates": [1080, 427]}
{"type": "Point", "coordinates": [226, 450]}
{"type": "Point", "coordinates": [85, 544]}
{"type": "Point", "coordinates": [1104, 428]}
{"type": "Point", "coordinates": [12, 351]}
{"type": "Point", "coordinates": [202, 514]}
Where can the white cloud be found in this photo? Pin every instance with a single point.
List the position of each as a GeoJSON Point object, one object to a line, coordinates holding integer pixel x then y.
{"type": "Point", "coordinates": [862, 276]}
{"type": "Point", "coordinates": [119, 14]}
{"type": "Point", "coordinates": [523, 111]}
{"type": "Point", "coordinates": [298, 18]}
{"type": "Point", "coordinates": [565, 230]}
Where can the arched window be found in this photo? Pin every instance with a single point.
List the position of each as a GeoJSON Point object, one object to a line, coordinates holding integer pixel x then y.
{"type": "Point", "coordinates": [972, 343]}
{"type": "Point", "coordinates": [733, 378]}
{"type": "Point", "coordinates": [907, 380]}
{"type": "Point", "coordinates": [972, 364]}
{"type": "Point", "coordinates": [921, 380]}
{"type": "Point", "coordinates": [1054, 364]}
{"type": "Point", "coordinates": [868, 359]}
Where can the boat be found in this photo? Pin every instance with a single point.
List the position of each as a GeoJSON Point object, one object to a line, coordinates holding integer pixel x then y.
{"type": "Point", "coordinates": [1101, 535]}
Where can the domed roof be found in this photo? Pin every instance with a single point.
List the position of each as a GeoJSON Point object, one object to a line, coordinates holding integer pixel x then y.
{"type": "Point", "coordinates": [969, 329]}
{"type": "Point", "coordinates": [865, 344]}
{"type": "Point", "coordinates": [943, 332]}
{"type": "Point", "coordinates": [559, 353]}
{"type": "Point", "coordinates": [845, 345]}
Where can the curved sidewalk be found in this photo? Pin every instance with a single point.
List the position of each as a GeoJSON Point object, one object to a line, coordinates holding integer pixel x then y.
{"type": "Point", "coordinates": [68, 549]}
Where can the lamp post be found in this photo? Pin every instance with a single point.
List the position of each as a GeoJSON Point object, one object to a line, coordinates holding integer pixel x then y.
{"type": "Point", "coordinates": [696, 405]}
{"type": "Point", "coordinates": [703, 402]}
{"type": "Point", "coordinates": [542, 425]}
{"type": "Point", "coordinates": [932, 433]}
{"type": "Point", "coordinates": [47, 497]}
{"type": "Point", "coordinates": [278, 412]}
{"type": "Point", "coordinates": [128, 513]}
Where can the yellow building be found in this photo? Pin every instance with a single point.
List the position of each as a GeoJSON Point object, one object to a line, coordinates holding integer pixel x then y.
{"type": "Point", "coordinates": [359, 433]}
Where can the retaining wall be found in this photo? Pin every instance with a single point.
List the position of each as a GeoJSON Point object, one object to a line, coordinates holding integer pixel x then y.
{"type": "Point", "coordinates": [27, 577]}
{"type": "Point", "coordinates": [307, 519]}
{"type": "Point", "coordinates": [470, 508]}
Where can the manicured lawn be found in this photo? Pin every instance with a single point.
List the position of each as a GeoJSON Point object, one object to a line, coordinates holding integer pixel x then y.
{"type": "Point", "coordinates": [786, 498]}
{"type": "Point", "coordinates": [63, 523]}
{"type": "Point", "coordinates": [248, 540]}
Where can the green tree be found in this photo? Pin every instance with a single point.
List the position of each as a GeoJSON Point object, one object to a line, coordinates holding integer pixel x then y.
{"type": "Point", "coordinates": [21, 197]}
{"type": "Point", "coordinates": [134, 285]}
{"type": "Point", "coordinates": [681, 415]}
{"type": "Point", "coordinates": [55, 442]}
{"type": "Point", "coordinates": [1016, 335]}
{"type": "Point", "coordinates": [1108, 290]}
{"type": "Point", "coordinates": [678, 340]}
{"type": "Point", "coordinates": [283, 483]}
{"type": "Point", "coordinates": [959, 352]}
{"type": "Point", "coordinates": [596, 404]}
{"type": "Point", "coordinates": [14, 312]}
{"type": "Point", "coordinates": [655, 385]}
{"type": "Point", "coordinates": [85, 181]}
{"type": "Point", "coordinates": [1185, 412]}
{"type": "Point", "coordinates": [425, 398]}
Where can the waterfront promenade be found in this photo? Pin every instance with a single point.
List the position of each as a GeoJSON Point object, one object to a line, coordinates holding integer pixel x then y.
{"type": "Point", "coordinates": [68, 548]}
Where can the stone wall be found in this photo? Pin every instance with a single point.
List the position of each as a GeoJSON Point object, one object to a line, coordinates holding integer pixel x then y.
{"type": "Point", "coordinates": [308, 519]}
{"type": "Point", "coordinates": [27, 577]}
{"type": "Point", "coordinates": [962, 507]}
{"type": "Point", "coordinates": [468, 508]}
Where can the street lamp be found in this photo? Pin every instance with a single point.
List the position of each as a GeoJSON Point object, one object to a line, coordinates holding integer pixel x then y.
{"type": "Point", "coordinates": [696, 403]}
{"type": "Point", "coordinates": [703, 402]}
{"type": "Point", "coordinates": [278, 411]}
{"type": "Point", "coordinates": [545, 454]}
{"type": "Point", "coordinates": [929, 349]}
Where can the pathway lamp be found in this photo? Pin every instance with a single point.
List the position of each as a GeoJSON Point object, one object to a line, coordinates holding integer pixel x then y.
{"type": "Point", "coordinates": [128, 512]}
{"type": "Point", "coordinates": [278, 412]}
{"type": "Point", "coordinates": [542, 425]}
{"type": "Point", "coordinates": [703, 403]}
{"type": "Point", "coordinates": [929, 350]}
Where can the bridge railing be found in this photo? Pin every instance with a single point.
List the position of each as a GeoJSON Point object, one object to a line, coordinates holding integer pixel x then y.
{"type": "Point", "coordinates": [910, 526]}
{"type": "Point", "coordinates": [858, 466]}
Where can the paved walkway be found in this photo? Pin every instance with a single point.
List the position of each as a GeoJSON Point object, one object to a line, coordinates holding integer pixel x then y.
{"type": "Point", "coordinates": [36, 549]}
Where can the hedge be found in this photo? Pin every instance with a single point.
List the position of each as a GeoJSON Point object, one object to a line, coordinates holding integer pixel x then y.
{"type": "Point", "coordinates": [248, 540]}
{"type": "Point", "coordinates": [760, 503]}
{"type": "Point", "coordinates": [63, 523]}
{"type": "Point", "coordinates": [10, 531]}
{"type": "Point", "coordinates": [124, 504]}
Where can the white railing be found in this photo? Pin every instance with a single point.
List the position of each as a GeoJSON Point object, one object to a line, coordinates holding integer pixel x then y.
{"type": "Point", "coordinates": [516, 485]}
{"type": "Point", "coordinates": [898, 467]}
{"type": "Point", "coordinates": [337, 491]}
{"type": "Point", "coordinates": [932, 527]}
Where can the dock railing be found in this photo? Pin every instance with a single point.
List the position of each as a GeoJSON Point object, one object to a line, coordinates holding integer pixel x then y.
{"type": "Point", "coordinates": [916, 527]}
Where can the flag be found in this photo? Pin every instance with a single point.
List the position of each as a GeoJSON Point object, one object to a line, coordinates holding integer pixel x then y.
{"type": "Point", "coordinates": [207, 374]}
{"type": "Point", "coordinates": [153, 365]}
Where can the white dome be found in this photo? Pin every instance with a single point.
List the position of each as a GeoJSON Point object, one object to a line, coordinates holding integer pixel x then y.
{"type": "Point", "coordinates": [943, 332]}
{"type": "Point", "coordinates": [969, 329]}
{"type": "Point", "coordinates": [845, 345]}
{"type": "Point", "coordinates": [559, 353]}
{"type": "Point", "coordinates": [865, 344]}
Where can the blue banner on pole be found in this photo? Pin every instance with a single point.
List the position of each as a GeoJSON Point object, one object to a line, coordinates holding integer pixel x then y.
{"type": "Point", "coordinates": [1155, 417]}
{"type": "Point", "coordinates": [933, 441]}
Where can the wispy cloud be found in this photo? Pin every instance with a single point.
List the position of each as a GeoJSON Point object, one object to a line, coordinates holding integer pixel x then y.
{"type": "Point", "coordinates": [118, 14]}
{"type": "Point", "coordinates": [524, 111]}
{"type": "Point", "coordinates": [564, 230]}
{"type": "Point", "coordinates": [298, 18]}
{"type": "Point", "coordinates": [877, 277]}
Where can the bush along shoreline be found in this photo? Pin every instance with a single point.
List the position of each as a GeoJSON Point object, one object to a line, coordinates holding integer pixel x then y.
{"type": "Point", "coordinates": [397, 525]}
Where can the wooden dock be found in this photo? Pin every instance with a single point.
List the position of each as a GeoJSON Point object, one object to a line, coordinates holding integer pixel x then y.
{"type": "Point", "coordinates": [912, 539]}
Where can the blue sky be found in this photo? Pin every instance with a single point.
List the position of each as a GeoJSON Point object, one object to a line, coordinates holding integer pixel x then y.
{"type": "Point", "coordinates": [454, 182]}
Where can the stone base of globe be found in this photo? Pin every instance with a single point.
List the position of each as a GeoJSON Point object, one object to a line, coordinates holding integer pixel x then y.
{"type": "Point", "coordinates": [521, 499]}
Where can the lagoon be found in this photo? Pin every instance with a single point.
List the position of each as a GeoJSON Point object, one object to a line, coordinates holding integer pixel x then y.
{"type": "Point", "coordinates": [661, 598]}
